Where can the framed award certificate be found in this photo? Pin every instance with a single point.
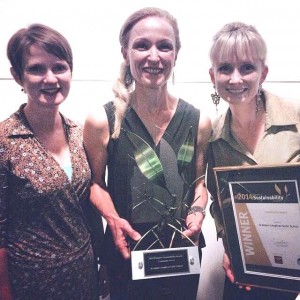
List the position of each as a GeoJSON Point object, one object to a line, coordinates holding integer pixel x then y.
{"type": "Point", "coordinates": [261, 212]}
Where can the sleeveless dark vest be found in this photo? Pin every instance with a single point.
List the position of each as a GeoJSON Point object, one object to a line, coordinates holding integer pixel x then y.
{"type": "Point", "coordinates": [135, 197]}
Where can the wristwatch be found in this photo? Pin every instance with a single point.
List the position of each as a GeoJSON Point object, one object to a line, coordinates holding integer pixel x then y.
{"type": "Point", "coordinates": [196, 208]}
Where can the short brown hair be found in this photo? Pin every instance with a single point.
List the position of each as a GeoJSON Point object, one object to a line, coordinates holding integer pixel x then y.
{"type": "Point", "coordinates": [49, 39]}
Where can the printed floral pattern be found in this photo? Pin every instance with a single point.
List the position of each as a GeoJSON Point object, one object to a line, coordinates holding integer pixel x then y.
{"type": "Point", "coordinates": [41, 221]}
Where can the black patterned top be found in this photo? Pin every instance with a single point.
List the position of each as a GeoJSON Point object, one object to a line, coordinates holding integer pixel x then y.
{"type": "Point", "coordinates": [41, 221]}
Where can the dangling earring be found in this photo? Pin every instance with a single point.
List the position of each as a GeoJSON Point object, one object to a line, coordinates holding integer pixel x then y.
{"type": "Point", "coordinates": [215, 99]}
{"type": "Point", "coordinates": [128, 77]}
{"type": "Point", "coordinates": [173, 78]}
{"type": "Point", "coordinates": [258, 100]}
{"type": "Point", "coordinates": [22, 90]}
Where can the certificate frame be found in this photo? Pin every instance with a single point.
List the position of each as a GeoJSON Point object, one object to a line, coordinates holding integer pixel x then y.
{"type": "Point", "coordinates": [260, 206]}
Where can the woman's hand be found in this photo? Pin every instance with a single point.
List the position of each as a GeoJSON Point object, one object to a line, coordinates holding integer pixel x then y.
{"type": "Point", "coordinates": [121, 230]}
{"type": "Point", "coordinates": [229, 273]}
{"type": "Point", "coordinates": [227, 269]}
{"type": "Point", "coordinates": [194, 223]}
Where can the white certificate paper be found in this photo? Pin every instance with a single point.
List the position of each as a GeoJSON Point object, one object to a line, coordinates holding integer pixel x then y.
{"type": "Point", "coordinates": [267, 214]}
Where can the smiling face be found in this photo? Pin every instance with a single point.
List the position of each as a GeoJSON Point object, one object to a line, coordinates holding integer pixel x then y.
{"type": "Point", "coordinates": [46, 79]}
{"type": "Point", "coordinates": [151, 52]}
{"type": "Point", "coordinates": [237, 80]}
{"type": "Point", "coordinates": [238, 56]}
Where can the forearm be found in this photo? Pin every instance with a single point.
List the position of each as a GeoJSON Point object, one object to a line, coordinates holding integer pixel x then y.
{"type": "Point", "coordinates": [101, 199]}
{"type": "Point", "coordinates": [201, 196]}
{"type": "Point", "coordinates": [196, 213]}
{"type": "Point", "coordinates": [5, 291]}
{"type": "Point", "coordinates": [216, 213]}
{"type": "Point", "coordinates": [120, 228]}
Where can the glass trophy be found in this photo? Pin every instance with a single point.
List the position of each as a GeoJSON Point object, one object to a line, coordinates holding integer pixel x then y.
{"type": "Point", "coordinates": [161, 194]}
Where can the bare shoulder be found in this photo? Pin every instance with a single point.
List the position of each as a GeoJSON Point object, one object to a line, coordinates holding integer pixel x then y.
{"type": "Point", "coordinates": [97, 118]}
{"type": "Point", "coordinates": [96, 126]}
{"type": "Point", "coordinates": [205, 124]}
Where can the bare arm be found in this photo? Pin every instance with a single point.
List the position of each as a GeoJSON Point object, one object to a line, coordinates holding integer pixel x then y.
{"type": "Point", "coordinates": [96, 137]}
{"type": "Point", "coordinates": [194, 220]}
{"type": "Point", "coordinates": [5, 292]}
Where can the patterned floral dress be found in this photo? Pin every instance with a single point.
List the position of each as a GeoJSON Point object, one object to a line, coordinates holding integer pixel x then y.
{"type": "Point", "coordinates": [42, 225]}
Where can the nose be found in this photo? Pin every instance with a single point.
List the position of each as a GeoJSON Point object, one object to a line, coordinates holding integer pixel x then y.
{"type": "Point", "coordinates": [153, 54]}
{"type": "Point", "coordinates": [50, 77]}
{"type": "Point", "coordinates": [236, 76]}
